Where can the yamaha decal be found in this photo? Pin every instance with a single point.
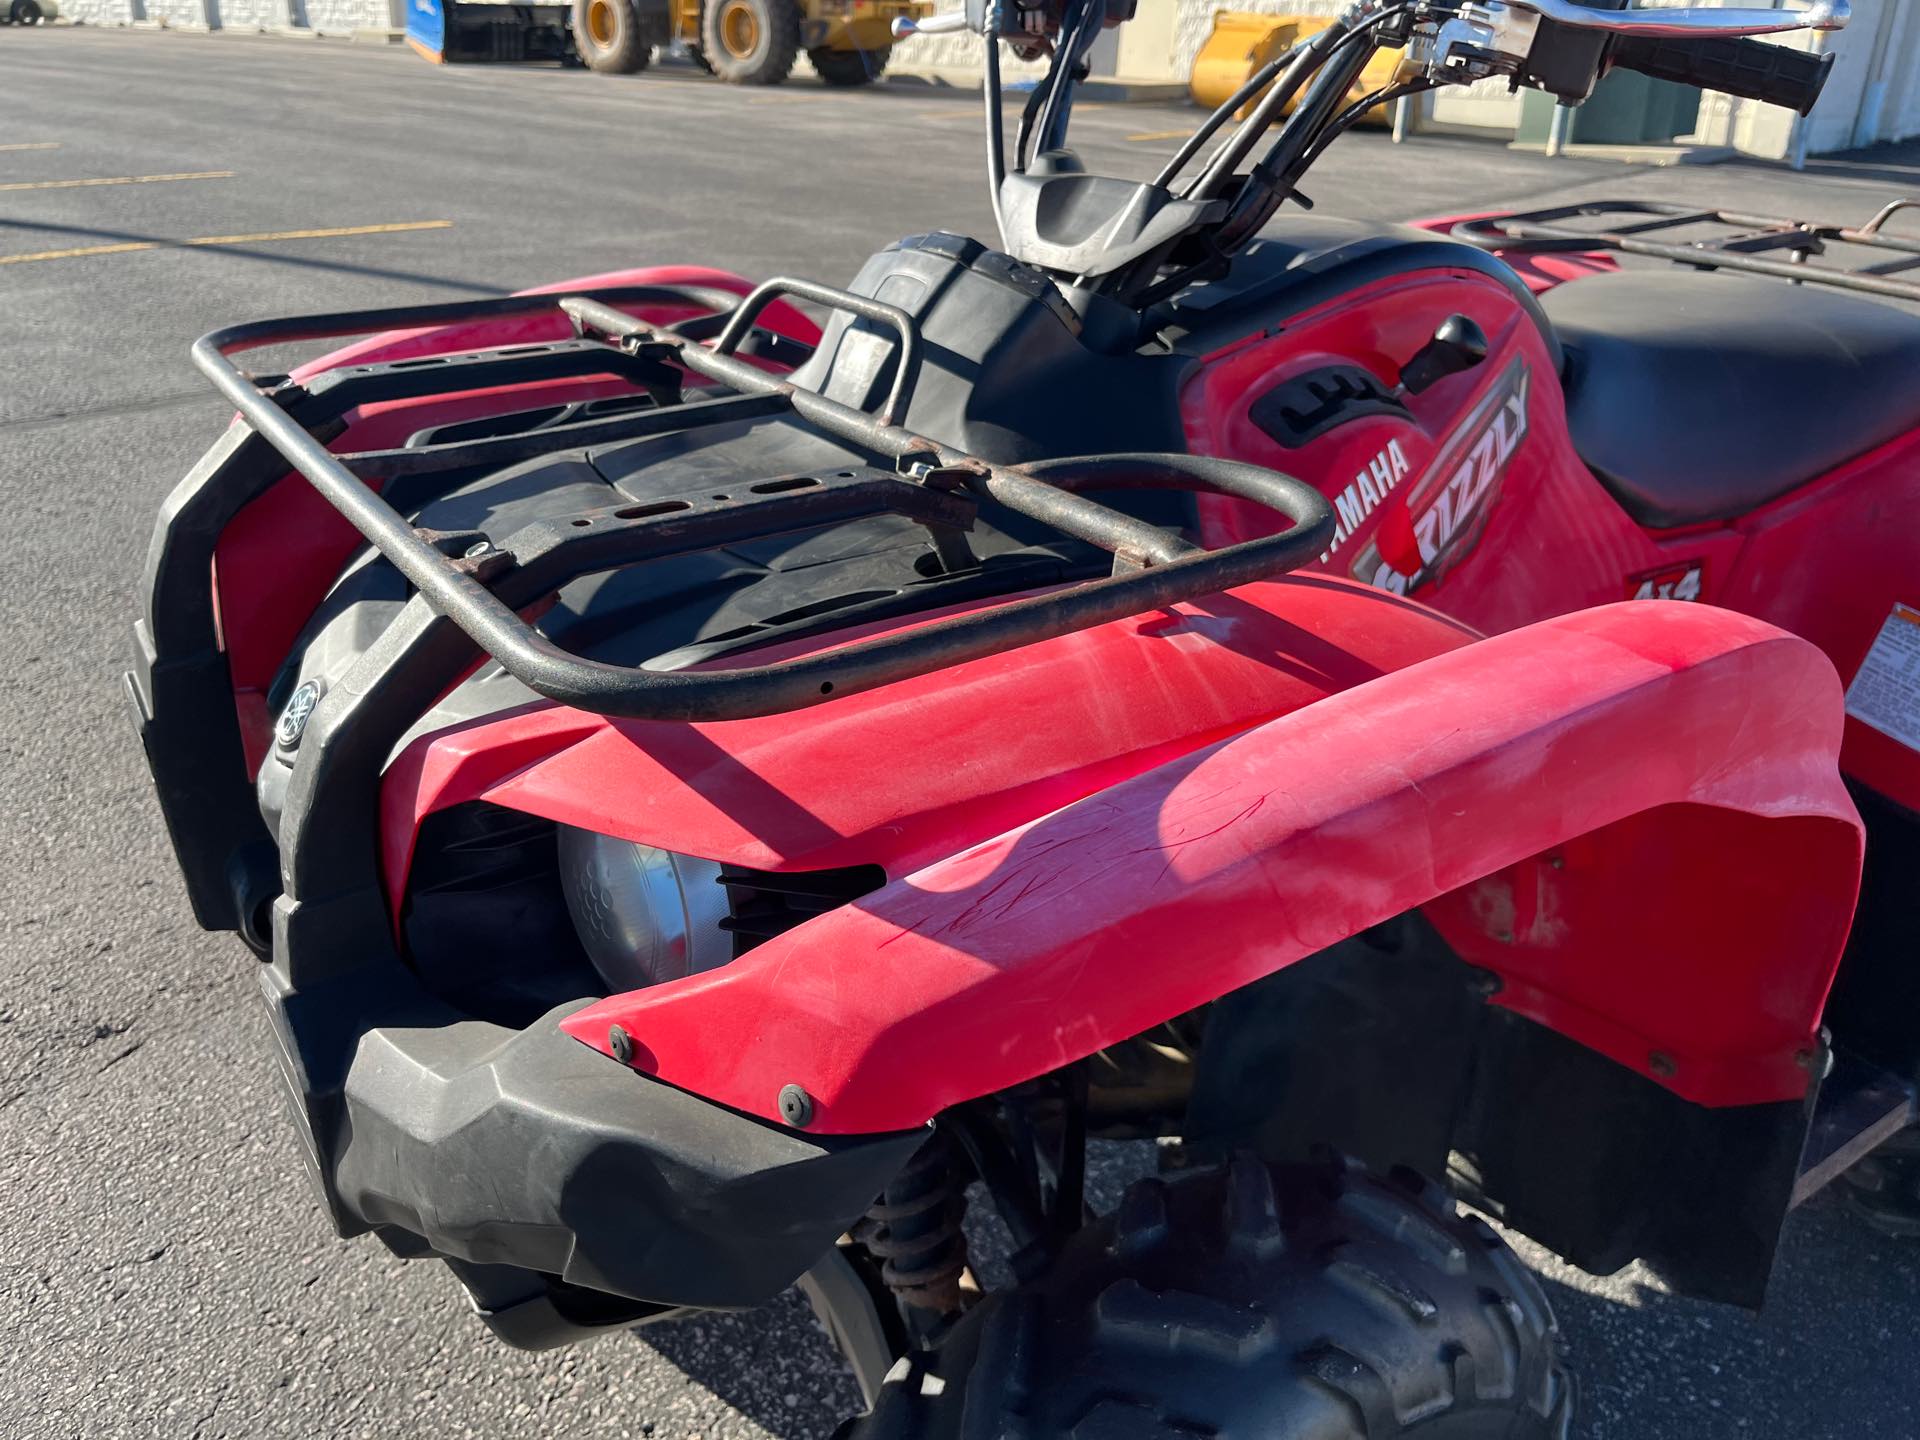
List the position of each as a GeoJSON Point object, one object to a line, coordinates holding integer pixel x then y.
{"type": "Point", "coordinates": [1447, 509]}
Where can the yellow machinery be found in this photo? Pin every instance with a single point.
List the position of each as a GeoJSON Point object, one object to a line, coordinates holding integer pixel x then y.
{"type": "Point", "coordinates": [1242, 42]}
{"type": "Point", "coordinates": [745, 42]}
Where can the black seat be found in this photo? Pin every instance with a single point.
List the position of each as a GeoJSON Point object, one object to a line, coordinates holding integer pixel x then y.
{"type": "Point", "coordinates": [1697, 397]}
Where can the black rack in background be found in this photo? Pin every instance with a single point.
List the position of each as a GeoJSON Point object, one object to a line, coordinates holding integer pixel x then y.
{"type": "Point", "coordinates": [1798, 251]}
{"type": "Point", "coordinates": [482, 583]}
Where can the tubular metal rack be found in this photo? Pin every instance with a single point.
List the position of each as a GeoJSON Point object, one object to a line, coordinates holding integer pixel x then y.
{"type": "Point", "coordinates": [1755, 244]}
{"type": "Point", "coordinates": [482, 583]}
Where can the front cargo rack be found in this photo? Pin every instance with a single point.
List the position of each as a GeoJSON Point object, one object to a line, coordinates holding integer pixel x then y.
{"type": "Point", "coordinates": [1799, 251]}
{"type": "Point", "coordinates": [482, 584]}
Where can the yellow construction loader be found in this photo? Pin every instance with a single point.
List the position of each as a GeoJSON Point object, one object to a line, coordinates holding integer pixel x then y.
{"type": "Point", "coordinates": [745, 42]}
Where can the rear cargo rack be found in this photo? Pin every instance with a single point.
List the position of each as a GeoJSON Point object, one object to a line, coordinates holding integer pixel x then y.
{"type": "Point", "coordinates": [1772, 245]}
{"type": "Point", "coordinates": [481, 583]}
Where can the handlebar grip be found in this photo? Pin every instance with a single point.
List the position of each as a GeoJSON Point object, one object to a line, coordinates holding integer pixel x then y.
{"type": "Point", "coordinates": [1770, 73]}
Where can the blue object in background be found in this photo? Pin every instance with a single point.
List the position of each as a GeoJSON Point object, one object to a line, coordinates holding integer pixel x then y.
{"type": "Point", "coordinates": [427, 28]}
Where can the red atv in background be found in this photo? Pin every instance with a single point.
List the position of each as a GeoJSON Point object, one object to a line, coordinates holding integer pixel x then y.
{"type": "Point", "coordinates": [707, 789]}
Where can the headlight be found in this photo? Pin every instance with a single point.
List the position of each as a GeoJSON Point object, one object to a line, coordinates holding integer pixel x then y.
{"type": "Point", "coordinates": [645, 915]}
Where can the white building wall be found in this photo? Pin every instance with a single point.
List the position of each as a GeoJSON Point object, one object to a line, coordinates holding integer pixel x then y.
{"type": "Point", "coordinates": [343, 17]}
{"type": "Point", "coordinates": [1904, 108]}
{"type": "Point", "coordinates": [1888, 108]}
{"type": "Point", "coordinates": [252, 14]}
{"type": "Point", "coordinates": [102, 12]}
{"type": "Point", "coordinates": [182, 14]}
{"type": "Point", "coordinates": [1832, 124]}
{"type": "Point", "coordinates": [326, 17]}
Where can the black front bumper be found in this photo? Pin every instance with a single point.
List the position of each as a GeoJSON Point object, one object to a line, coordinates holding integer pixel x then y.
{"type": "Point", "coordinates": [525, 1148]}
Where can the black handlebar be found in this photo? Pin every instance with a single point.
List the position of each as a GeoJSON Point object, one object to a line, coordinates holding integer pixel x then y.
{"type": "Point", "coordinates": [1750, 68]}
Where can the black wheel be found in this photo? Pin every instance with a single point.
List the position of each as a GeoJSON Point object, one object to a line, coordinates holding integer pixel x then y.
{"type": "Point", "coordinates": [1884, 1189]}
{"type": "Point", "coordinates": [750, 42]}
{"type": "Point", "coordinates": [1273, 1303]}
{"type": "Point", "coordinates": [850, 67]}
{"type": "Point", "coordinates": [25, 12]}
{"type": "Point", "coordinates": [609, 38]}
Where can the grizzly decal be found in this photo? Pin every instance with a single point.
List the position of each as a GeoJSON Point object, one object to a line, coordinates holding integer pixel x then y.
{"type": "Point", "coordinates": [1447, 509]}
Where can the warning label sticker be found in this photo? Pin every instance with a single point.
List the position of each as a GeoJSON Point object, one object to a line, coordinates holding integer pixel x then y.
{"type": "Point", "coordinates": [1886, 692]}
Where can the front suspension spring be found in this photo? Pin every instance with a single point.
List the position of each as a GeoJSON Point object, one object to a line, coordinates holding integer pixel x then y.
{"type": "Point", "coordinates": [915, 1231]}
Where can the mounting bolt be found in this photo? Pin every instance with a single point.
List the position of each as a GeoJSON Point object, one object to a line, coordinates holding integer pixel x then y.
{"type": "Point", "coordinates": [1817, 1062]}
{"type": "Point", "coordinates": [1662, 1065]}
{"type": "Point", "coordinates": [621, 1044]}
{"type": "Point", "coordinates": [796, 1106]}
{"type": "Point", "coordinates": [479, 550]}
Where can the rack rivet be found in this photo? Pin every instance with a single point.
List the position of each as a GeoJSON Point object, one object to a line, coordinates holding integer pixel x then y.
{"type": "Point", "coordinates": [621, 1044]}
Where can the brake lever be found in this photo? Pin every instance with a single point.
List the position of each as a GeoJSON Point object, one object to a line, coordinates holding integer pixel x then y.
{"type": "Point", "coordinates": [950, 23]}
{"type": "Point", "coordinates": [1695, 21]}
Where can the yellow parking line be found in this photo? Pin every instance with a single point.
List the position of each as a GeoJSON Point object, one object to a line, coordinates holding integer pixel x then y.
{"type": "Point", "coordinates": [1159, 135]}
{"type": "Point", "coordinates": [392, 229]}
{"type": "Point", "coordinates": [116, 180]}
{"type": "Point", "coordinates": [30, 145]}
{"type": "Point", "coordinates": [263, 237]}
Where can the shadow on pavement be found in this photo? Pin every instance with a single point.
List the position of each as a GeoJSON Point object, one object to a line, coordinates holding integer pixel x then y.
{"type": "Point", "coordinates": [1831, 1357]}
{"type": "Point", "coordinates": [774, 1365]}
{"type": "Point", "coordinates": [1878, 164]}
{"type": "Point", "coordinates": [85, 234]}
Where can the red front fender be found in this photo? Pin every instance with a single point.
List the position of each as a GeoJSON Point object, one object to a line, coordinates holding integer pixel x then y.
{"type": "Point", "coordinates": [1633, 815]}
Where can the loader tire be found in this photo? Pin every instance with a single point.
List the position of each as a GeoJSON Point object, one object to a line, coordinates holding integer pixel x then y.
{"type": "Point", "coordinates": [1280, 1303]}
{"type": "Point", "coordinates": [609, 37]}
{"type": "Point", "coordinates": [25, 12]}
{"type": "Point", "coordinates": [847, 68]}
{"type": "Point", "coordinates": [750, 42]}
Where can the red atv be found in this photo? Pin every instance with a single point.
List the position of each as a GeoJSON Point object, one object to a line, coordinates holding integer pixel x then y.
{"type": "Point", "coordinates": [707, 790]}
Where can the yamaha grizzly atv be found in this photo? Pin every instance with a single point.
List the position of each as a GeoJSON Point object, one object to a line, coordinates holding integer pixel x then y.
{"type": "Point", "coordinates": [710, 791]}
{"type": "Point", "coordinates": [1651, 466]}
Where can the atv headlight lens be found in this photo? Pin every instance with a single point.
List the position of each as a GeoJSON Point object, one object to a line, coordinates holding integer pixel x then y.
{"type": "Point", "coordinates": [645, 915]}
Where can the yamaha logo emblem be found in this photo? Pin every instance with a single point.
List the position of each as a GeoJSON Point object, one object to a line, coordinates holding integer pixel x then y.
{"type": "Point", "coordinates": [293, 719]}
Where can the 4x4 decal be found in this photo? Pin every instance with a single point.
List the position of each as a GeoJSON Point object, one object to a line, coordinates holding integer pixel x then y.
{"type": "Point", "coordinates": [1683, 581]}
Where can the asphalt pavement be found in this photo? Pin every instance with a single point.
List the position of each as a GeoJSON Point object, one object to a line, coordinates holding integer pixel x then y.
{"type": "Point", "coordinates": [163, 1268]}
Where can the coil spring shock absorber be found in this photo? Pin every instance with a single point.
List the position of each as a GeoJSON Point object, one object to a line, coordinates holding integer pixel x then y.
{"type": "Point", "coordinates": [915, 1232]}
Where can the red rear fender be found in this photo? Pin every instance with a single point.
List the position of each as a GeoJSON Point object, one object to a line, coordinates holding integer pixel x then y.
{"type": "Point", "coordinates": [1540, 271]}
{"type": "Point", "coordinates": [1632, 815]}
